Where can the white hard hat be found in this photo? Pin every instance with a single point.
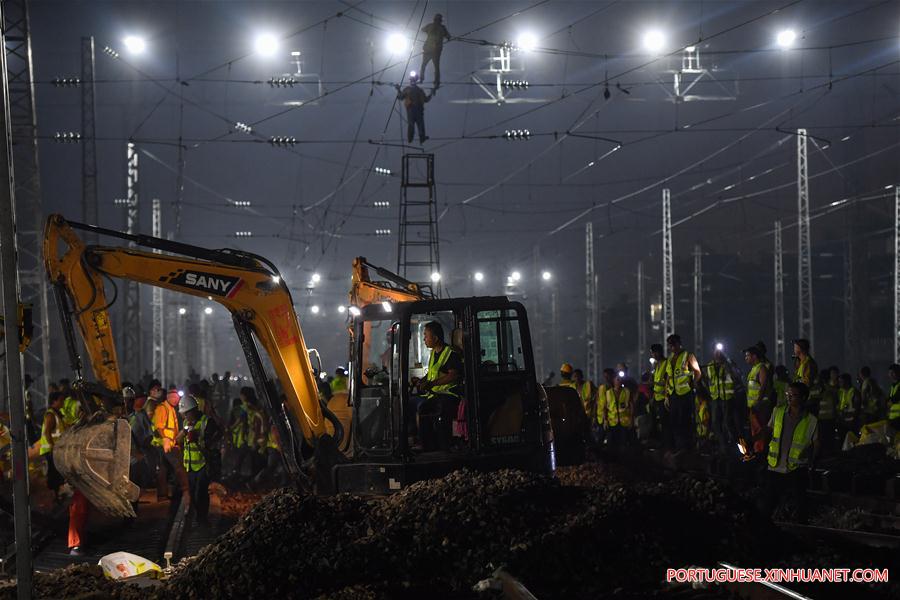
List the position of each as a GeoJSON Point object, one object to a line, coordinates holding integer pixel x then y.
{"type": "Point", "coordinates": [187, 403]}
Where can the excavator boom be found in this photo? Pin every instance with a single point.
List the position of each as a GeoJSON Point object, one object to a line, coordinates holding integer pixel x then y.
{"type": "Point", "coordinates": [249, 286]}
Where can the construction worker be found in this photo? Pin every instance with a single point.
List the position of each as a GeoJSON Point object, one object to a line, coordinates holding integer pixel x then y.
{"type": "Point", "coordinates": [702, 419]}
{"type": "Point", "coordinates": [165, 425]}
{"type": "Point", "coordinates": [339, 383]}
{"type": "Point", "coordinates": [807, 370]}
{"type": "Point", "coordinates": [435, 34]}
{"type": "Point", "coordinates": [871, 397]}
{"type": "Point", "coordinates": [236, 441]}
{"type": "Point", "coordinates": [848, 407]}
{"type": "Point", "coordinates": [439, 390]}
{"type": "Point", "coordinates": [758, 386]}
{"type": "Point", "coordinates": [793, 444]}
{"type": "Point", "coordinates": [601, 426]}
{"type": "Point", "coordinates": [199, 438]}
{"type": "Point", "coordinates": [51, 429]}
{"type": "Point", "coordinates": [565, 375]}
{"type": "Point", "coordinates": [414, 99]}
{"type": "Point", "coordinates": [893, 399]}
{"type": "Point", "coordinates": [826, 411]}
{"type": "Point", "coordinates": [658, 406]}
{"type": "Point", "coordinates": [619, 413]}
{"type": "Point", "coordinates": [779, 383]}
{"type": "Point", "coordinates": [71, 409]}
{"type": "Point", "coordinates": [683, 372]}
{"type": "Point", "coordinates": [255, 432]}
{"type": "Point", "coordinates": [720, 380]}
{"type": "Point", "coordinates": [587, 392]}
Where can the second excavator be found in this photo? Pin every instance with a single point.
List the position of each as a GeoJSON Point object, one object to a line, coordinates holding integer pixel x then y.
{"type": "Point", "coordinates": [499, 417]}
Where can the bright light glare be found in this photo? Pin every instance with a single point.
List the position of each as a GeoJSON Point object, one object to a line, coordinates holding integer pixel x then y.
{"type": "Point", "coordinates": [314, 309]}
{"type": "Point", "coordinates": [654, 40]}
{"type": "Point", "coordinates": [182, 311]}
{"type": "Point", "coordinates": [412, 74]}
{"type": "Point", "coordinates": [546, 275]}
{"type": "Point", "coordinates": [786, 38]}
{"type": "Point", "coordinates": [354, 311]}
{"type": "Point", "coordinates": [316, 278]}
{"type": "Point", "coordinates": [621, 374]}
{"type": "Point", "coordinates": [652, 361]}
{"type": "Point", "coordinates": [479, 276]}
{"type": "Point", "coordinates": [435, 277]}
{"type": "Point", "coordinates": [208, 310]}
{"type": "Point", "coordinates": [515, 276]}
{"type": "Point", "coordinates": [396, 43]}
{"type": "Point", "coordinates": [720, 346]}
{"type": "Point", "coordinates": [266, 44]}
{"type": "Point", "coordinates": [276, 279]}
{"type": "Point", "coordinates": [181, 393]}
{"type": "Point", "coordinates": [135, 44]}
{"type": "Point", "coordinates": [527, 41]}
{"type": "Point", "coordinates": [386, 306]}
{"type": "Point", "coordinates": [342, 309]}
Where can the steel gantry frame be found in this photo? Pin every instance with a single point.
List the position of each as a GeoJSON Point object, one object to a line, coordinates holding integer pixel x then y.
{"type": "Point", "coordinates": [698, 298]}
{"type": "Point", "coordinates": [668, 296]}
{"type": "Point", "coordinates": [418, 249]}
{"type": "Point", "coordinates": [642, 317]}
{"type": "Point", "coordinates": [804, 257]}
{"type": "Point", "coordinates": [592, 332]}
{"type": "Point", "coordinates": [29, 211]}
{"type": "Point", "coordinates": [89, 209]}
{"type": "Point", "coordinates": [159, 339]}
{"type": "Point", "coordinates": [132, 336]}
{"type": "Point", "coordinates": [780, 356]}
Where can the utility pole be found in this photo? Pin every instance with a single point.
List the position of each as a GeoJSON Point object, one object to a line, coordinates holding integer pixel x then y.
{"type": "Point", "coordinates": [159, 340]}
{"type": "Point", "coordinates": [642, 317]}
{"type": "Point", "coordinates": [897, 273]}
{"type": "Point", "coordinates": [593, 309]}
{"type": "Point", "coordinates": [804, 258]}
{"type": "Point", "coordinates": [698, 298]}
{"type": "Point", "coordinates": [131, 317]}
{"type": "Point", "coordinates": [89, 210]}
{"type": "Point", "coordinates": [554, 323]}
{"type": "Point", "coordinates": [537, 341]}
{"type": "Point", "coordinates": [780, 355]}
{"type": "Point", "coordinates": [668, 299]}
{"type": "Point", "coordinates": [9, 275]}
{"type": "Point", "coordinates": [30, 222]}
{"type": "Point", "coordinates": [849, 306]}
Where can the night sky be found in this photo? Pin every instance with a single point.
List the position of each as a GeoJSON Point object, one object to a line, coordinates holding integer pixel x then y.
{"type": "Point", "coordinates": [730, 163]}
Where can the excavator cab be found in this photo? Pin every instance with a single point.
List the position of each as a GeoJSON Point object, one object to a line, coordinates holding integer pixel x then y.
{"type": "Point", "coordinates": [498, 417]}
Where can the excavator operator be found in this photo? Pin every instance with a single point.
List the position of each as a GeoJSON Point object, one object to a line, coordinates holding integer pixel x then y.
{"type": "Point", "coordinates": [438, 394]}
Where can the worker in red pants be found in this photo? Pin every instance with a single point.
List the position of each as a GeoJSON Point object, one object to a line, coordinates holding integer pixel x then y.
{"type": "Point", "coordinates": [78, 514]}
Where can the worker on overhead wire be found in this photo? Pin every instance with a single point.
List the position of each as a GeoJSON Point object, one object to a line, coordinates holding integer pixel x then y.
{"type": "Point", "coordinates": [414, 100]}
{"type": "Point", "coordinates": [435, 33]}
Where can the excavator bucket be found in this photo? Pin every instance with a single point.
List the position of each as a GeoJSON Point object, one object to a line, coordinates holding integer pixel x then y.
{"type": "Point", "coordinates": [95, 458]}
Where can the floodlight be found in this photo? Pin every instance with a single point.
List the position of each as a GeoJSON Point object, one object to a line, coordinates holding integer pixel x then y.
{"type": "Point", "coordinates": [397, 43]}
{"type": "Point", "coordinates": [527, 41]}
{"type": "Point", "coordinates": [546, 275]}
{"type": "Point", "coordinates": [314, 309]}
{"type": "Point", "coordinates": [654, 40]}
{"type": "Point", "coordinates": [479, 276]}
{"type": "Point", "coordinates": [316, 278]}
{"type": "Point", "coordinates": [135, 44]}
{"type": "Point", "coordinates": [182, 311]}
{"type": "Point", "coordinates": [207, 310]}
{"type": "Point", "coordinates": [786, 38]}
{"type": "Point", "coordinates": [515, 276]}
{"type": "Point", "coordinates": [266, 44]}
{"type": "Point", "coordinates": [435, 277]}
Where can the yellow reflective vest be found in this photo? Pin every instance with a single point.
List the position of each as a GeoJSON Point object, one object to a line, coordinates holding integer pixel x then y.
{"type": "Point", "coordinates": [753, 387]}
{"type": "Point", "coordinates": [798, 454]}
{"type": "Point", "coordinates": [194, 460]}
{"type": "Point", "coordinates": [702, 408]}
{"type": "Point", "coordinates": [48, 438]}
{"type": "Point", "coordinates": [618, 407]}
{"type": "Point", "coordinates": [660, 386]}
{"type": "Point", "coordinates": [894, 410]}
{"type": "Point", "coordinates": [721, 385]}
{"type": "Point", "coordinates": [435, 363]}
{"type": "Point", "coordinates": [680, 375]}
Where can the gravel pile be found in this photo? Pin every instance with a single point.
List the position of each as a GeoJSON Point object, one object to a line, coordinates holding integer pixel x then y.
{"type": "Point", "coordinates": [76, 581]}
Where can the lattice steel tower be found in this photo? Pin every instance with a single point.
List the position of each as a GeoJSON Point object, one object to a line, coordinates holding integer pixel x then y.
{"type": "Point", "coordinates": [418, 254]}
{"type": "Point", "coordinates": [29, 212]}
{"type": "Point", "coordinates": [642, 316]}
{"type": "Point", "coordinates": [159, 340]}
{"type": "Point", "coordinates": [804, 258]}
{"type": "Point", "coordinates": [698, 298]}
{"type": "Point", "coordinates": [592, 329]}
{"type": "Point", "coordinates": [668, 295]}
{"type": "Point", "coordinates": [780, 355]}
{"type": "Point", "coordinates": [132, 336]}
{"type": "Point", "coordinates": [89, 210]}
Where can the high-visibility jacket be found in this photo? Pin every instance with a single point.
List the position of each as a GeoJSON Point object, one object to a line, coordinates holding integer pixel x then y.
{"type": "Point", "coordinates": [71, 411]}
{"type": "Point", "coordinates": [569, 383]}
{"type": "Point", "coordinates": [701, 406]}
{"type": "Point", "coordinates": [588, 399]}
{"type": "Point", "coordinates": [845, 403]}
{"type": "Point", "coordinates": [753, 387]}
{"type": "Point", "coordinates": [721, 384]}
{"type": "Point", "coordinates": [806, 371]}
{"type": "Point", "coordinates": [338, 384]}
{"type": "Point", "coordinates": [827, 404]}
{"type": "Point", "coordinates": [165, 423]}
{"type": "Point", "coordinates": [195, 445]}
{"type": "Point", "coordinates": [435, 363]}
{"type": "Point", "coordinates": [272, 438]}
{"type": "Point", "coordinates": [601, 403]}
{"type": "Point", "coordinates": [52, 428]}
{"type": "Point", "coordinates": [238, 431]}
{"type": "Point", "coordinates": [256, 428]}
{"type": "Point", "coordinates": [618, 407]}
{"type": "Point", "coordinates": [780, 392]}
{"type": "Point", "coordinates": [660, 383]}
{"type": "Point", "coordinates": [798, 454]}
{"type": "Point", "coordinates": [680, 374]}
{"type": "Point", "coordinates": [894, 410]}
{"type": "Point", "coordinates": [870, 396]}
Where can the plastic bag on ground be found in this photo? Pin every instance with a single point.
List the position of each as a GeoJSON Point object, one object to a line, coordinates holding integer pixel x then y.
{"type": "Point", "coordinates": [120, 565]}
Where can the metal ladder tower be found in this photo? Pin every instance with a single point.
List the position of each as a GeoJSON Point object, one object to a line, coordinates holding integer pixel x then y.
{"type": "Point", "coordinates": [804, 258]}
{"type": "Point", "coordinates": [780, 354]}
{"type": "Point", "coordinates": [668, 296]}
{"type": "Point", "coordinates": [642, 317]}
{"type": "Point", "coordinates": [29, 212]}
{"type": "Point", "coordinates": [592, 331]}
{"type": "Point", "coordinates": [698, 298]}
{"type": "Point", "coordinates": [89, 209]}
{"type": "Point", "coordinates": [132, 337]}
{"type": "Point", "coordinates": [418, 254]}
{"type": "Point", "coordinates": [897, 272]}
{"type": "Point", "coordinates": [159, 339]}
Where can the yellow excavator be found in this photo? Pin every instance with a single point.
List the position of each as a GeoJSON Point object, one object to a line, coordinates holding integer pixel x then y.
{"type": "Point", "coordinates": [503, 420]}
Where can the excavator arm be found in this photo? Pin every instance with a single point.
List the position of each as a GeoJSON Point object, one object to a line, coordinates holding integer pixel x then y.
{"type": "Point", "coordinates": [248, 285]}
{"type": "Point", "coordinates": [393, 288]}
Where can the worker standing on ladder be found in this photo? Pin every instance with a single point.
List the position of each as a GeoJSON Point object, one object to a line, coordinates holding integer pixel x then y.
{"type": "Point", "coordinates": [414, 100]}
{"type": "Point", "coordinates": [435, 33]}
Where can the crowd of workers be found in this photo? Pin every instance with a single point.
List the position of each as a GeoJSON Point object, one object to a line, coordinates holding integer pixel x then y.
{"type": "Point", "coordinates": [182, 440]}
{"type": "Point", "coordinates": [776, 419]}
